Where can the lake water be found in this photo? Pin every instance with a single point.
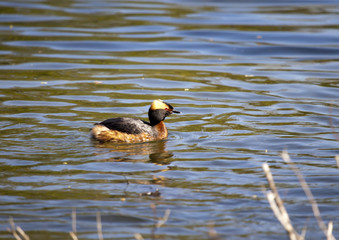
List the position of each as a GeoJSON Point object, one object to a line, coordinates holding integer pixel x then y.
{"type": "Point", "coordinates": [251, 79]}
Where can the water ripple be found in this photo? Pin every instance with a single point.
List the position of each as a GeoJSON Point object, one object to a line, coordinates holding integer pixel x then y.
{"type": "Point", "coordinates": [250, 78]}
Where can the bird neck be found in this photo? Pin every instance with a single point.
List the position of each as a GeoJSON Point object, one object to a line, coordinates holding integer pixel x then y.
{"type": "Point", "coordinates": [161, 130]}
{"type": "Point", "coordinates": [156, 116]}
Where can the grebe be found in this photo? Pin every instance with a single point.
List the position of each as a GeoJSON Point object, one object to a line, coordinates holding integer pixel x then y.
{"type": "Point", "coordinates": [131, 130]}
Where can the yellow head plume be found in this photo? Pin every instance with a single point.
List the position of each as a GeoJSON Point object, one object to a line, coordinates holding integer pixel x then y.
{"type": "Point", "coordinates": [159, 104]}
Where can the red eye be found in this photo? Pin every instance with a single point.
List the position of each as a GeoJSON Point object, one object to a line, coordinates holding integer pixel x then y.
{"type": "Point", "coordinates": [166, 109]}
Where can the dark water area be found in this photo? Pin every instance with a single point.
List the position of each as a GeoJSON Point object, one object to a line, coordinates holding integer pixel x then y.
{"type": "Point", "coordinates": [251, 79]}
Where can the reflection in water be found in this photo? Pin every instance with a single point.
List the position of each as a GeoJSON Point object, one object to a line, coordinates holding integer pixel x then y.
{"type": "Point", "coordinates": [157, 155]}
{"type": "Point", "coordinates": [252, 77]}
{"type": "Point", "coordinates": [156, 151]}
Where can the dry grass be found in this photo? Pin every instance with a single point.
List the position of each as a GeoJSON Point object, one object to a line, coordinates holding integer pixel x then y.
{"type": "Point", "coordinates": [278, 207]}
{"type": "Point", "coordinates": [160, 221]}
{"type": "Point", "coordinates": [17, 231]}
{"type": "Point", "coordinates": [279, 210]}
{"type": "Point", "coordinates": [99, 226]}
{"type": "Point", "coordinates": [273, 197]}
{"type": "Point", "coordinates": [74, 226]}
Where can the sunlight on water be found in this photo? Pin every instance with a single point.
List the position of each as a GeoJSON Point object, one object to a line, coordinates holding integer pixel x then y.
{"type": "Point", "coordinates": [250, 79]}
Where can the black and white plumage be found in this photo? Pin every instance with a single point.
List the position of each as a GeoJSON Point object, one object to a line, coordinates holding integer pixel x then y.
{"type": "Point", "coordinates": [128, 125]}
{"type": "Point", "coordinates": [123, 129]}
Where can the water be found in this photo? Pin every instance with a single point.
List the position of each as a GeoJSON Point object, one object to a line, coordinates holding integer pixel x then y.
{"type": "Point", "coordinates": [250, 78]}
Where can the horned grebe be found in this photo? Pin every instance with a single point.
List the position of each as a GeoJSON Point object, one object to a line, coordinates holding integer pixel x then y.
{"type": "Point", "coordinates": [131, 130]}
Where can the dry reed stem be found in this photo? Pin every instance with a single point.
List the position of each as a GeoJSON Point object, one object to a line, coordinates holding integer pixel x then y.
{"type": "Point", "coordinates": [337, 160]}
{"type": "Point", "coordinates": [277, 199]}
{"type": "Point", "coordinates": [164, 219]}
{"type": "Point", "coordinates": [15, 230]}
{"type": "Point", "coordinates": [277, 206]}
{"type": "Point", "coordinates": [330, 230]}
{"type": "Point", "coordinates": [25, 236]}
{"type": "Point", "coordinates": [74, 237]}
{"type": "Point", "coordinates": [74, 220]}
{"type": "Point", "coordinates": [303, 231]}
{"type": "Point", "coordinates": [138, 236]}
{"type": "Point", "coordinates": [99, 226]}
{"type": "Point", "coordinates": [12, 230]}
{"type": "Point", "coordinates": [308, 193]}
{"type": "Point", "coordinates": [212, 233]}
{"type": "Point", "coordinates": [159, 223]}
{"type": "Point", "coordinates": [74, 225]}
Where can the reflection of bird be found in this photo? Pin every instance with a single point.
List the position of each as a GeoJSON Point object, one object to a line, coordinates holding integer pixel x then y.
{"type": "Point", "coordinates": [131, 130]}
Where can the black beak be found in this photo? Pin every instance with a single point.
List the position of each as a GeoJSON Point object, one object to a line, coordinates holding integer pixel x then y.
{"type": "Point", "coordinates": [171, 110]}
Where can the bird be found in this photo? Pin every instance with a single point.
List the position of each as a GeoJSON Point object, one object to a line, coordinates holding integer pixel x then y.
{"type": "Point", "coordinates": [132, 130]}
